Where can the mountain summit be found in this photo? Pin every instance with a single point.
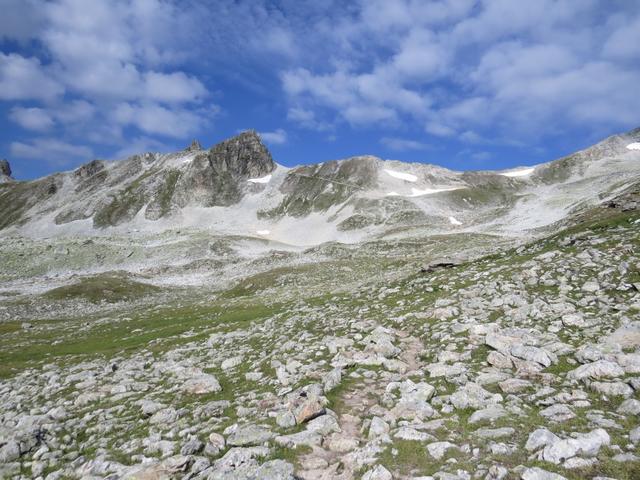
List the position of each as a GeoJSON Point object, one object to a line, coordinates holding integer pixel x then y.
{"type": "Point", "coordinates": [235, 188]}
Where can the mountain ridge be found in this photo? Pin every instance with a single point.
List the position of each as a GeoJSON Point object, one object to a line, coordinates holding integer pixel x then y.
{"type": "Point", "coordinates": [353, 198]}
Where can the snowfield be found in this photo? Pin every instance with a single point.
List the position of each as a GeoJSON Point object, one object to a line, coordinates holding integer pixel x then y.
{"type": "Point", "coordinates": [634, 146]}
{"type": "Point", "coordinates": [265, 179]}
{"type": "Point", "coordinates": [518, 173]}
{"type": "Point", "coordinates": [416, 192]}
{"type": "Point", "coordinates": [402, 176]}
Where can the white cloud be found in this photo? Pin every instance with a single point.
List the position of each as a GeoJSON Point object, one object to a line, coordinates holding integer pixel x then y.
{"type": "Point", "coordinates": [173, 87]}
{"type": "Point", "coordinates": [474, 70]}
{"type": "Point", "coordinates": [25, 79]}
{"type": "Point", "coordinates": [31, 118]}
{"type": "Point", "coordinates": [277, 137]}
{"type": "Point", "coordinates": [51, 150]}
{"type": "Point", "coordinates": [156, 119]}
{"type": "Point", "coordinates": [403, 145]}
{"type": "Point", "coordinates": [20, 19]}
{"type": "Point", "coordinates": [141, 144]}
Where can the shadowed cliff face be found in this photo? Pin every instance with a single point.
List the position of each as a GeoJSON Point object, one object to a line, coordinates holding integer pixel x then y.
{"type": "Point", "coordinates": [219, 176]}
{"type": "Point", "coordinates": [5, 171]}
{"type": "Point", "coordinates": [114, 193]}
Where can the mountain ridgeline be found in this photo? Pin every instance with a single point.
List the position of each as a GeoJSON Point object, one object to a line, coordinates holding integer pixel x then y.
{"type": "Point", "coordinates": [235, 187]}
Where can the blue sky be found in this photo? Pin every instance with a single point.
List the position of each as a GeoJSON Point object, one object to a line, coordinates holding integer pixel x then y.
{"type": "Point", "coordinates": [467, 84]}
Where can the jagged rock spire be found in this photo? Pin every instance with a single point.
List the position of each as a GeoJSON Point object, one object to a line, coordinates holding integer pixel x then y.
{"type": "Point", "coordinates": [5, 168]}
{"type": "Point", "coordinates": [243, 155]}
{"type": "Point", "coordinates": [5, 171]}
{"type": "Point", "coordinates": [194, 147]}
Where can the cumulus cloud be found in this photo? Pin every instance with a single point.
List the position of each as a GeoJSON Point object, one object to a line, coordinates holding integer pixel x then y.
{"type": "Point", "coordinates": [31, 118]}
{"type": "Point", "coordinates": [402, 144]}
{"type": "Point", "coordinates": [470, 71]}
{"type": "Point", "coordinates": [157, 119]}
{"type": "Point", "coordinates": [24, 78]}
{"type": "Point", "coordinates": [104, 65]}
{"type": "Point", "coordinates": [51, 150]}
{"type": "Point", "coordinates": [277, 137]}
{"type": "Point", "coordinates": [493, 68]}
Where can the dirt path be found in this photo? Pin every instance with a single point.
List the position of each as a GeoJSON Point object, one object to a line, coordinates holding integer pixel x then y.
{"type": "Point", "coordinates": [340, 454]}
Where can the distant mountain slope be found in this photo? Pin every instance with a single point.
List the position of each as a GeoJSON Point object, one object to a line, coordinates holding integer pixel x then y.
{"type": "Point", "coordinates": [236, 188]}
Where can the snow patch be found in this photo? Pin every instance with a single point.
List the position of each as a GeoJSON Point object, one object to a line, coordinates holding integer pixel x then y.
{"type": "Point", "coordinates": [518, 173]}
{"type": "Point", "coordinates": [402, 176]}
{"type": "Point", "coordinates": [454, 221]}
{"type": "Point", "coordinates": [263, 232]}
{"type": "Point", "coordinates": [265, 179]}
{"type": "Point", "coordinates": [415, 192]}
{"type": "Point", "coordinates": [634, 146]}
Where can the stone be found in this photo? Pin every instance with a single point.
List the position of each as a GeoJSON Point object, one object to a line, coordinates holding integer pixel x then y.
{"type": "Point", "coordinates": [408, 433]}
{"type": "Point", "coordinates": [332, 380]}
{"type": "Point", "coordinates": [9, 452]}
{"type": "Point", "coordinates": [558, 413]}
{"type": "Point", "coordinates": [540, 438]}
{"type": "Point", "coordinates": [230, 363]}
{"type": "Point", "coordinates": [587, 444]}
{"type": "Point", "coordinates": [596, 371]}
{"type": "Point", "coordinates": [573, 320]}
{"type": "Point", "coordinates": [238, 456]}
{"type": "Point", "coordinates": [537, 473]}
{"type": "Point", "coordinates": [285, 419]}
{"type": "Point", "coordinates": [166, 416]}
{"type": "Point", "coordinates": [308, 410]}
{"type": "Point", "coordinates": [202, 384]}
{"type": "Point", "coordinates": [612, 389]}
{"type": "Point", "coordinates": [342, 444]}
{"type": "Point", "coordinates": [249, 435]}
{"type": "Point", "coordinates": [534, 354]}
{"type": "Point", "coordinates": [627, 336]}
{"type": "Point", "coordinates": [324, 425]}
{"type": "Point", "coordinates": [295, 440]}
{"type": "Point", "coordinates": [192, 447]}
{"type": "Point", "coordinates": [439, 449]}
{"type": "Point", "coordinates": [216, 443]}
{"type": "Point", "coordinates": [590, 287]}
{"type": "Point", "coordinates": [494, 433]}
{"type": "Point", "coordinates": [629, 407]}
{"type": "Point", "coordinates": [472, 395]}
{"type": "Point", "coordinates": [378, 428]}
{"type": "Point", "coordinates": [514, 385]}
{"type": "Point", "coordinates": [380, 341]}
{"type": "Point", "coordinates": [499, 360]}
{"type": "Point", "coordinates": [378, 473]}
{"type": "Point", "coordinates": [489, 414]}
{"type": "Point", "coordinates": [5, 168]}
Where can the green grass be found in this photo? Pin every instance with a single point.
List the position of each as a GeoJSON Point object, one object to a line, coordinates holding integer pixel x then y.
{"type": "Point", "coordinates": [412, 457]}
{"type": "Point", "coordinates": [156, 330]}
{"type": "Point", "coordinates": [111, 287]}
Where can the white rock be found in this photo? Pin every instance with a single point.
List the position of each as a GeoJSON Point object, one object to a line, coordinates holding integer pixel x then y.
{"type": "Point", "coordinates": [597, 370]}
{"type": "Point", "coordinates": [378, 473]}
{"type": "Point", "coordinates": [438, 449]}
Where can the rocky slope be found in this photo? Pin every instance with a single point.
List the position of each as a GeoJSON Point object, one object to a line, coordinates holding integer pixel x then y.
{"type": "Point", "coordinates": [155, 324]}
{"type": "Point", "coordinates": [235, 188]}
{"type": "Point", "coordinates": [523, 364]}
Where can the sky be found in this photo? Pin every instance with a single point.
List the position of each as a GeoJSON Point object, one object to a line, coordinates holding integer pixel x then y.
{"type": "Point", "coordinates": [466, 84]}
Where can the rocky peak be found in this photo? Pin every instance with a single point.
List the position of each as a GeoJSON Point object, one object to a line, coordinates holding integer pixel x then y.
{"type": "Point", "coordinates": [194, 147]}
{"type": "Point", "coordinates": [243, 155]}
{"type": "Point", "coordinates": [5, 168]}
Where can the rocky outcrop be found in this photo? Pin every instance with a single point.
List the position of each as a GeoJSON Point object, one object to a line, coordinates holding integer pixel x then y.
{"type": "Point", "coordinates": [219, 176]}
{"type": "Point", "coordinates": [316, 188]}
{"type": "Point", "coordinates": [5, 171]}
